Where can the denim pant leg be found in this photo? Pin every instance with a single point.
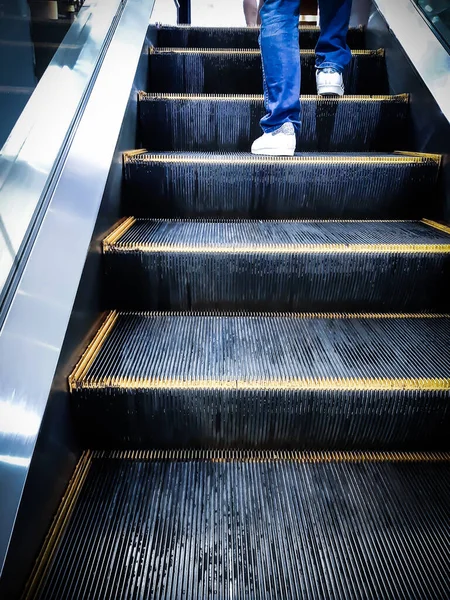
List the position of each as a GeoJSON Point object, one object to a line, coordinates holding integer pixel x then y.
{"type": "Point", "coordinates": [332, 50]}
{"type": "Point", "coordinates": [280, 56]}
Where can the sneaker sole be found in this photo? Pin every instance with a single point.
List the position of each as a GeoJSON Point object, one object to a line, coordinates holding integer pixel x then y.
{"type": "Point", "coordinates": [330, 91]}
{"type": "Point", "coordinates": [273, 152]}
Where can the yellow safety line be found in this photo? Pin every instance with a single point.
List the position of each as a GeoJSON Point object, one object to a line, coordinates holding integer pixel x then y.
{"type": "Point", "coordinates": [346, 384]}
{"type": "Point", "coordinates": [118, 232]}
{"type": "Point", "coordinates": [274, 456]}
{"type": "Point", "coordinates": [58, 526]}
{"type": "Point", "coordinates": [246, 159]}
{"type": "Point", "coordinates": [439, 226]}
{"type": "Point", "coordinates": [143, 96]}
{"type": "Point", "coordinates": [178, 248]}
{"type": "Point", "coordinates": [246, 51]}
{"type": "Point", "coordinates": [92, 350]}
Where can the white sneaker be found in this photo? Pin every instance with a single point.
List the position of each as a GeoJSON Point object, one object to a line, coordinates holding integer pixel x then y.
{"type": "Point", "coordinates": [329, 82]}
{"type": "Point", "coordinates": [280, 142]}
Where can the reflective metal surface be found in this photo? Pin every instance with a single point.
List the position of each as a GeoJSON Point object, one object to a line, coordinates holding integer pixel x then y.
{"type": "Point", "coordinates": [424, 49]}
{"type": "Point", "coordinates": [29, 158]}
{"type": "Point", "coordinates": [437, 12]}
{"type": "Point", "coordinates": [430, 127]}
{"type": "Point", "coordinates": [37, 319]}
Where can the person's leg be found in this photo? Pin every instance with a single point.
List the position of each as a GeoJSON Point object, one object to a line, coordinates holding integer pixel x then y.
{"type": "Point", "coordinates": [258, 20]}
{"type": "Point", "coordinates": [332, 50]}
{"type": "Point", "coordinates": [280, 55]}
{"type": "Point", "coordinates": [251, 12]}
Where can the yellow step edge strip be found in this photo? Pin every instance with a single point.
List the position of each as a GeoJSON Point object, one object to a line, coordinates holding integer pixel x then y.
{"type": "Point", "coordinates": [435, 157]}
{"type": "Point", "coordinates": [435, 225]}
{"type": "Point", "coordinates": [254, 27]}
{"type": "Point", "coordinates": [77, 381]}
{"type": "Point", "coordinates": [306, 456]}
{"type": "Point", "coordinates": [92, 350]}
{"type": "Point", "coordinates": [247, 51]}
{"type": "Point", "coordinates": [281, 249]}
{"type": "Point", "coordinates": [118, 232]}
{"type": "Point", "coordinates": [284, 315]}
{"type": "Point", "coordinates": [58, 526]}
{"type": "Point", "coordinates": [279, 385]}
{"type": "Point", "coordinates": [248, 159]}
{"type": "Point", "coordinates": [112, 243]}
{"type": "Point", "coordinates": [144, 96]}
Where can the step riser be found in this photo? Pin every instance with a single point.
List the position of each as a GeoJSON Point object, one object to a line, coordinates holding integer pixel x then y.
{"type": "Point", "coordinates": [327, 126]}
{"type": "Point", "coordinates": [263, 419]}
{"type": "Point", "coordinates": [240, 38]}
{"type": "Point", "coordinates": [242, 74]}
{"type": "Point", "coordinates": [276, 282]}
{"type": "Point", "coordinates": [280, 190]}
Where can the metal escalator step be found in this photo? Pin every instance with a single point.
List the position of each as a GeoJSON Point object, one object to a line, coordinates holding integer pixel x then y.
{"type": "Point", "coordinates": [209, 525]}
{"type": "Point", "coordinates": [207, 71]}
{"type": "Point", "coordinates": [277, 265]}
{"type": "Point", "coordinates": [230, 123]}
{"type": "Point", "coordinates": [183, 184]}
{"type": "Point", "coordinates": [271, 380]}
{"type": "Point", "coordinates": [240, 37]}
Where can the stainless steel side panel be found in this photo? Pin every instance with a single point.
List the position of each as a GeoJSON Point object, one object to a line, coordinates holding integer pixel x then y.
{"type": "Point", "coordinates": [424, 50]}
{"type": "Point", "coordinates": [36, 323]}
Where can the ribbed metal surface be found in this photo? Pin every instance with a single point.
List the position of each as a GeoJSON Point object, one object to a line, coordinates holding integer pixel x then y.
{"type": "Point", "coordinates": [231, 123]}
{"type": "Point", "coordinates": [269, 380]}
{"type": "Point", "coordinates": [239, 37]}
{"type": "Point", "coordinates": [191, 184]}
{"type": "Point", "coordinates": [278, 265]}
{"type": "Point", "coordinates": [229, 527]}
{"type": "Point", "coordinates": [239, 72]}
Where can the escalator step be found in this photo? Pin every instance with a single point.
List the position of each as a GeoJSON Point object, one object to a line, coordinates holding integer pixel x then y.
{"type": "Point", "coordinates": [271, 380]}
{"type": "Point", "coordinates": [240, 37]}
{"type": "Point", "coordinates": [231, 123]}
{"type": "Point", "coordinates": [203, 71]}
{"type": "Point", "coordinates": [253, 525]}
{"type": "Point", "coordinates": [277, 265]}
{"type": "Point", "coordinates": [306, 186]}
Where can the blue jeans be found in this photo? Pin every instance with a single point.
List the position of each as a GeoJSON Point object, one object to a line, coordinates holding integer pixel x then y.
{"type": "Point", "coordinates": [280, 52]}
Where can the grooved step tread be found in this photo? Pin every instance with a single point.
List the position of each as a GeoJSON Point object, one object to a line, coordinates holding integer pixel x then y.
{"type": "Point", "coordinates": [242, 37]}
{"type": "Point", "coordinates": [245, 51]}
{"type": "Point", "coordinates": [270, 380]}
{"type": "Point", "coordinates": [305, 98]}
{"type": "Point", "coordinates": [230, 158]}
{"type": "Point", "coordinates": [231, 122]}
{"type": "Point", "coordinates": [308, 185]}
{"type": "Point", "coordinates": [277, 265]}
{"type": "Point", "coordinates": [252, 525]}
{"type": "Point", "coordinates": [238, 71]}
{"type": "Point", "coordinates": [219, 236]}
{"type": "Point", "coordinates": [270, 351]}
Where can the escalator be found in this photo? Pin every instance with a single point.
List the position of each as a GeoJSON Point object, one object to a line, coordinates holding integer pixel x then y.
{"type": "Point", "coordinates": [265, 406]}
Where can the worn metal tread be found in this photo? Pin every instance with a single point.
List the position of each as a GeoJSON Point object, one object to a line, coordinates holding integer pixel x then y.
{"type": "Point", "coordinates": [238, 525]}
{"type": "Point", "coordinates": [245, 37]}
{"type": "Point", "coordinates": [231, 122]}
{"type": "Point", "coordinates": [337, 185]}
{"type": "Point", "coordinates": [238, 71]}
{"type": "Point", "coordinates": [266, 380]}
